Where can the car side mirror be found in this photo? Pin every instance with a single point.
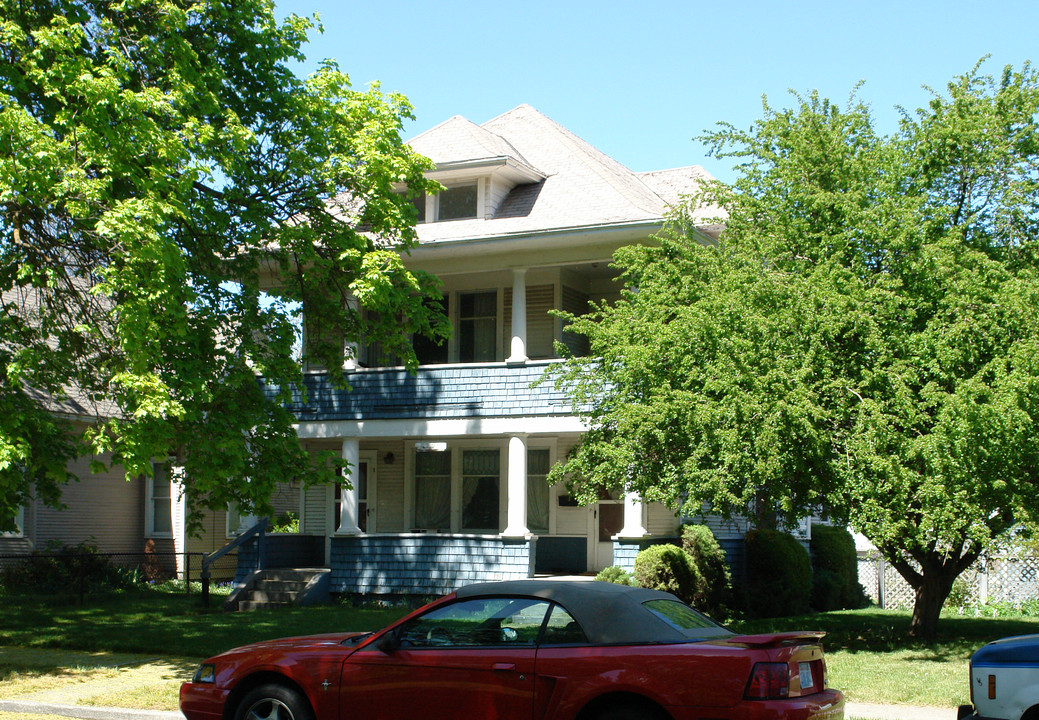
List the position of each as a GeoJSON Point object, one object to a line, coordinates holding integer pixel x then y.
{"type": "Point", "coordinates": [388, 643]}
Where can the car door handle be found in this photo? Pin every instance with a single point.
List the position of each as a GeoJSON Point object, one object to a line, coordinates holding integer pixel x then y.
{"type": "Point", "coordinates": [503, 666]}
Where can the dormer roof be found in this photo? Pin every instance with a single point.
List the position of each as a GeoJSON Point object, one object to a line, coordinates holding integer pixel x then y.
{"type": "Point", "coordinates": [558, 181]}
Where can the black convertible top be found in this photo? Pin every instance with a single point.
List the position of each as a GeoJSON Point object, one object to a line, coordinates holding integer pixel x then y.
{"type": "Point", "coordinates": [610, 614]}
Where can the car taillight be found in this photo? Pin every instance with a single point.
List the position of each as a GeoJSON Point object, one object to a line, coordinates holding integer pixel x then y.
{"type": "Point", "coordinates": [769, 681]}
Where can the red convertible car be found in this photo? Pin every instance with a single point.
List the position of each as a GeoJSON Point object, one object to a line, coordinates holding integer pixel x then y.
{"type": "Point", "coordinates": [530, 650]}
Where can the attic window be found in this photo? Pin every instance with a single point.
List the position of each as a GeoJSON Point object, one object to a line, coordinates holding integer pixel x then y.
{"type": "Point", "coordinates": [457, 202]}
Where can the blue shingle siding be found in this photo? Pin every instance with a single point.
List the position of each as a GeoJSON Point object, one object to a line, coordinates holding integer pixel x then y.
{"type": "Point", "coordinates": [433, 392]}
{"type": "Point", "coordinates": [625, 551]}
{"type": "Point", "coordinates": [425, 564]}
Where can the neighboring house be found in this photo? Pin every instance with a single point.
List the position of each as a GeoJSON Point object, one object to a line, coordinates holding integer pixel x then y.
{"type": "Point", "coordinates": [449, 463]}
{"type": "Point", "coordinates": [104, 509]}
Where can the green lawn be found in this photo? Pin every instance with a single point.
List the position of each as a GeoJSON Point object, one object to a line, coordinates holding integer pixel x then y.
{"type": "Point", "coordinates": [869, 656]}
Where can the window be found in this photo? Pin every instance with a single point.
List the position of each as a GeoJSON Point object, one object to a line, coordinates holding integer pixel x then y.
{"type": "Point", "coordinates": [457, 202]}
{"type": "Point", "coordinates": [428, 351]}
{"type": "Point", "coordinates": [159, 510]}
{"type": "Point", "coordinates": [433, 490]}
{"type": "Point", "coordinates": [481, 490]}
{"type": "Point", "coordinates": [562, 629]}
{"type": "Point", "coordinates": [477, 326]}
{"type": "Point", "coordinates": [480, 622]}
{"type": "Point", "coordinates": [537, 490]}
{"type": "Point", "coordinates": [19, 525]}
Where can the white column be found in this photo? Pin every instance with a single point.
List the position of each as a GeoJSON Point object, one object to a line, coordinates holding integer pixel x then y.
{"type": "Point", "coordinates": [519, 316]}
{"type": "Point", "coordinates": [348, 510]}
{"type": "Point", "coordinates": [632, 517]}
{"type": "Point", "coordinates": [516, 488]}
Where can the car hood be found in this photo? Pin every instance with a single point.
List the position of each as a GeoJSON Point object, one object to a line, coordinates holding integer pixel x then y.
{"type": "Point", "coordinates": [1019, 650]}
{"type": "Point", "coordinates": [303, 642]}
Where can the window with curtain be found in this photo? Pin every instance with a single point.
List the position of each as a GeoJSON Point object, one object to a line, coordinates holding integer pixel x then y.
{"type": "Point", "coordinates": [433, 490]}
{"type": "Point", "coordinates": [537, 490]}
{"type": "Point", "coordinates": [477, 326]}
{"type": "Point", "coordinates": [481, 490]}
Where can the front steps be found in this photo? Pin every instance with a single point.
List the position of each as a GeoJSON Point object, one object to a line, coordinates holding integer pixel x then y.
{"type": "Point", "coordinates": [283, 587]}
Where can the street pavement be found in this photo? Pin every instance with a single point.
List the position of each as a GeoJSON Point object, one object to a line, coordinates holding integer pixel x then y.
{"type": "Point", "coordinates": [860, 711]}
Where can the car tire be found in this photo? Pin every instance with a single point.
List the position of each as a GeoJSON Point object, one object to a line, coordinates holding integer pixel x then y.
{"type": "Point", "coordinates": [273, 702]}
{"type": "Point", "coordinates": [629, 711]}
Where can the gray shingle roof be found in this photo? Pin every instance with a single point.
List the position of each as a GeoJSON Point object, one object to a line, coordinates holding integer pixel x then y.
{"type": "Point", "coordinates": [583, 188]}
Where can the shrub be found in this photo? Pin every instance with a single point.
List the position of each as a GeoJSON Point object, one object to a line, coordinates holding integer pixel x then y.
{"type": "Point", "coordinates": [668, 568]}
{"type": "Point", "coordinates": [779, 574]}
{"type": "Point", "coordinates": [713, 593]}
{"type": "Point", "coordinates": [64, 569]}
{"type": "Point", "coordinates": [836, 570]}
{"type": "Point", "coordinates": [286, 522]}
{"type": "Point", "coordinates": [615, 574]}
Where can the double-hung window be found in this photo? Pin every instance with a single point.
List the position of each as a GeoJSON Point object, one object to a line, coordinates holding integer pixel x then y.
{"type": "Point", "coordinates": [433, 490]}
{"type": "Point", "coordinates": [159, 510]}
{"type": "Point", "coordinates": [477, 326]}
{"type": "Point", "coordinates": [481, 490]}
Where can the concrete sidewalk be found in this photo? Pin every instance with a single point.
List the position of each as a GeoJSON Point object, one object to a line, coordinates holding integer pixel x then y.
{"type": "Point", "coordinates": [860, 711]}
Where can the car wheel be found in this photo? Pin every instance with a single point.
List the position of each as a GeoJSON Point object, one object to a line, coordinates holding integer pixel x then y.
{"type": "Point", "coordinates": [629, 711]}
{"type": "Point", "coordinates": [273, 702]}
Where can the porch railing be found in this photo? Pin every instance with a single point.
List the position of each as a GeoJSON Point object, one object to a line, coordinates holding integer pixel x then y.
{"type": "Point", "coordinates": [258, 531]}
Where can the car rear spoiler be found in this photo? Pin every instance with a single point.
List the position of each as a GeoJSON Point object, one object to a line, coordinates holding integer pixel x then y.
{"type": "Point", "coordinates": [786, 639]}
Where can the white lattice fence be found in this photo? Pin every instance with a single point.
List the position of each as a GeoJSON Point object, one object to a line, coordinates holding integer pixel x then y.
{"type": "Point", "coordinates": [992, 579]}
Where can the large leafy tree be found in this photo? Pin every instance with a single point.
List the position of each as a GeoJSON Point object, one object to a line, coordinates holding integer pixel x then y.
{"type": "Point", "coordinates": [864, 337]}
{"type": "Point", "coordinates": [170, 195]}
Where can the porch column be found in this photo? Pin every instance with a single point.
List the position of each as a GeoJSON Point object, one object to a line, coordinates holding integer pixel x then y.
{"type": "Point", "coordinates": [519, 316]}
{"type": "Point", "coordinates": [632, 517]}
{"type": "Point", "coordinates": [516, 488]}
{"type": "Point", "coordinates": [348, 509]}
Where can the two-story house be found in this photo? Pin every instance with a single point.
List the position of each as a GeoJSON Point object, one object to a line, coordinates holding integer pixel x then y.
{"type": "Point", "coordinates": [448, 464]}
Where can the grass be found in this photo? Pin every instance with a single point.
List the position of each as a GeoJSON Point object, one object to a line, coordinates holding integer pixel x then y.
{"type": "Point", "coordinates": [166, 625]}
{"type": "Point", "coordinates": [871, 658]}
{"type": "Point", "coordinates": [158, 638]}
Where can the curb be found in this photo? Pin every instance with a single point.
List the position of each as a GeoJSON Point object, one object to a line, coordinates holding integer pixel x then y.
{"type": "Point", "coordinates": [86, 712]}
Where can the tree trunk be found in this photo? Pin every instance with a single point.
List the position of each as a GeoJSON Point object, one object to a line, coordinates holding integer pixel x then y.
{"type": "Point", "coordinates": [930, 597]}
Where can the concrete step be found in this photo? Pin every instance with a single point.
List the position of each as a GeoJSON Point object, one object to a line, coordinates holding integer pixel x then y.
{"type": "Point", "coordinates": [281, 587]}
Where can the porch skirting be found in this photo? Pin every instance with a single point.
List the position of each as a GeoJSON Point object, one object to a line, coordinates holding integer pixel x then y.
{"type": "Point", "coordinates": [426, 564]}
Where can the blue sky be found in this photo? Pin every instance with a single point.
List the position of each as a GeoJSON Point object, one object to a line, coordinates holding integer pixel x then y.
{"type": "Point", "coordinates": [640, 80]}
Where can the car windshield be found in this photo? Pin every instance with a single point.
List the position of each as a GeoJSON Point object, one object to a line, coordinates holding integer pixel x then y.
{"type": "Point", "coordinates": [682, 617]}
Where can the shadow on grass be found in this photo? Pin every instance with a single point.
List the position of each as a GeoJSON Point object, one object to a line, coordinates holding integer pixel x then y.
{"type": "Point", "coordinates": [873, 630]}
{"type": "Point", "coordinates": [169, 625]}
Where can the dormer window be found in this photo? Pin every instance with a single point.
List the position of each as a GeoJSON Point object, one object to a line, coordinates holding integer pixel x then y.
{"type": "Point", "coordinates": [457, 202]}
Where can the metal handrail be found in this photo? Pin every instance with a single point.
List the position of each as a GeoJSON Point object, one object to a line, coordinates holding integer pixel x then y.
{"type": "Point", "coordinates": [256, 530]}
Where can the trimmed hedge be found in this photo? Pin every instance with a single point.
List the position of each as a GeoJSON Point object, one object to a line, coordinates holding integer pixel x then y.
{"type": "Point", "coordinates": [713, 592]}
{"type": "Point", "coordinates": [668, 568]}
{"type": "Point", "coordinates": [614, 574]}
{"type": "Point", "coordinates": [836, 570]}
{"type": "Point", "coordinates": [779, 574]}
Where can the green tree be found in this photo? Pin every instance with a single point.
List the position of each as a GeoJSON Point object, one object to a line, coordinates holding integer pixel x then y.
{"type": "Point", "coordinates": [863, 336]}
{"type": "Point", "coordinates": [170, 195]}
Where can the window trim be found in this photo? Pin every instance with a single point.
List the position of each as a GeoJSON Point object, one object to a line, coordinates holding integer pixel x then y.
{"type": "Point", "coordinates": [150, 497]}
